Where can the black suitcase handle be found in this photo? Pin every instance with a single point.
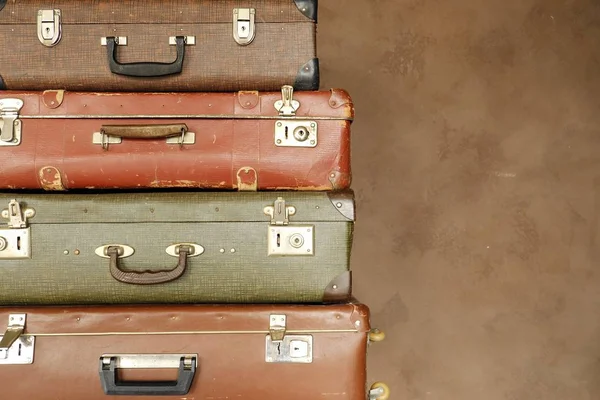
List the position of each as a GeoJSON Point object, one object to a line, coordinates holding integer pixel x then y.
{"type": "Point", "coordinates": [112, 386]}
{"type": "Point", "coordinates": [145, 69]}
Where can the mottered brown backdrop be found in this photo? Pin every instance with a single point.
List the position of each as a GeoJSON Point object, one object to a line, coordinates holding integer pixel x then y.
{"type": "Point", "coordinates": [476, 156]}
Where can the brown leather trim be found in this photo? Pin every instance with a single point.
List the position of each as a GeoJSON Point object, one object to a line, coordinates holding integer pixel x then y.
{"type": "Point", "coordinates": [344, 203]}
{"type": "Point", "coordinates": [339, 289]}
{"type": "Point", "coordinates": [51, 179]}
{"type": "Point", "coordinates": [340, 180]}
{"type": "Point", "coordinates": [248, 99]}
{"type": "Point", "coordinates": [53, 98]}
{"type": "Point", "coordinates": [186, 318]}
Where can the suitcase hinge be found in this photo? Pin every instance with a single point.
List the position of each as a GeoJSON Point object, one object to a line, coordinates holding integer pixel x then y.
{"type": "Point", "coordinates": [49, 27]}
{"type": "Point", "coordinates": [10, 124]}
{"type": "Point", "coordinates": [15, 348]}
{"type": "Point", "coordinates": [15, 240]}
{"type": "Point", "coordinates": [282, 348]}
{"type": "Point", "coordinates": [243, 25]}
{"type": "Point", "coordinates": [293, 133]}
{"type": "Point", "coordinates": [284, 239]}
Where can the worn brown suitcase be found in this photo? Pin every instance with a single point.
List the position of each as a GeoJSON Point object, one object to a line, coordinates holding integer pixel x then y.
{"type": "Point", "coordinates": [292, 352]}
{"type": "Point", "coordinates": [59, 140]}
{"type": "Point", "coordinates": [175, 45]}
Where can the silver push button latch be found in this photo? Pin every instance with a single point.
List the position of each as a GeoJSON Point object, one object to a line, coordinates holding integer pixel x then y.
{"type": "Point", "coordinates": [293, 132]}
{"type": "Point", "coordinates": [284, 348]}
{"type": "Point", "coordinates": [10, 124]}
{"type": "Point", "coordinates": [284, 239]}
{"type": "Point", "coordinates": [49, 27]}
{"type": "Point", "coordinates": [15, 239]}
{"type": "Point", "coordinates": [243, 25]}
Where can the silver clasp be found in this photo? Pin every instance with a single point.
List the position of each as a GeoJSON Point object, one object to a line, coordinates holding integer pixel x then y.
{"type": "Point", "coordinates": [16, 326]}
{"type": "Point", "coordinates": [10, 125]}
{"type": "Point", "coordinates": [287, 105]}
{"type": "Point", "coordinates": [243, 25]}
{"type": "Point", "coordinates": [279, 212]}
{"type": "Point", "coordinates": [16, 218]}
{"type": "Point", "coordinates": [49, 27]}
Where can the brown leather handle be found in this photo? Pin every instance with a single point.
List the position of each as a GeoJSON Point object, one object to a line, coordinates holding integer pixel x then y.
{"type": "Point", "coordinates": [147, 277]}
{"type": "Point", "coordinates": [144, 131]}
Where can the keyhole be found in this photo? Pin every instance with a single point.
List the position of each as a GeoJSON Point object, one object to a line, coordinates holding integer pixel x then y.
{"type": "Point", "coordinates": [19, 351]}
{"type": "Point", "coordinates": [47, 30]}
{"type": "Point", "coordinates": [278, 240]}
{"type": "Point", "coordinates": [243, 28]}
{"type": "Point", "coordinates": [18, 242]}
{"type": "Point", "coordinates": [279, 348]}
{"type": "Point", "coordinates": [286, 132]}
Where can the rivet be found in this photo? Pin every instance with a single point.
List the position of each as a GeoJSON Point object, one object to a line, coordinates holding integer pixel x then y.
{"type": "Point", "coordinates": [232, 250]}
{"type": "Point", "coordinates": [76, 252]}
{"type": "Point", "coordinates": [48, 170]}
{"type": "Point", "coordinates": [335, 286]}
{"type": "Point", "coordinates": [279, 124]}
{"type": "Point", "coordinates": [312, 142]}
{"type": "Point", "coordinates": [222, 250]}
{"type": "Point", "coordinates": [128, 318]}
{"type": "Point", "coordinates": [308, 250]}
{"type": "Point", "coordinates": [339, 205]}
{"type": "Point", "coordinates": [317, 207]}
{"type": "Point", "coordinates": [357, 323]}
{"type": "Point", "coordinates": [152, 210]}
{"type": "Point", "coordinates": [248, 103]}
{"type": "Point", "coordinates": [217, 209]}
{"type": "Point", "coordinates": [66, 252]}
{"type": "Point", "coordinates": [332, 175]}
{"type": "Point", "coordinates": [278, 141]}
{"type": "Point", "coordinates": [78, 318]}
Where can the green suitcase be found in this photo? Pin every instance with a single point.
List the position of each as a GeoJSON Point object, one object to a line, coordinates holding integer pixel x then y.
{"type": "Point", "coordinates": [176, 247]}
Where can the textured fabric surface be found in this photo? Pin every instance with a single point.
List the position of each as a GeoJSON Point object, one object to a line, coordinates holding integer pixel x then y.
{"type": "Point", "coordinates": [64, 268]}
{"type": "Point", "coordinates": [284, 42]}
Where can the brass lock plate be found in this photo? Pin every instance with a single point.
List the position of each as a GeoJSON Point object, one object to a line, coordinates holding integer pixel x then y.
{"type": "Point", "coordinates": [15, 244]}
{"type": "Point", "coordinates": [291, 240]}
{"type": "Point", "coordinates": [294, 133]}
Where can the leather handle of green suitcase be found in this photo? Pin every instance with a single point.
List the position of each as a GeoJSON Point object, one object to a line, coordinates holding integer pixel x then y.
{"type": "Point", "coordinates": [145, 69]}
{"type": "Point", "coordinates": [144, 131]}
{"type": "Point", "coordinates": [146, 277]}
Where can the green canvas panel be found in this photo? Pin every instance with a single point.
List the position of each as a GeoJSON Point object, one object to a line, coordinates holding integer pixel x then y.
{"type": "Point", "coordinates": [231, 227]}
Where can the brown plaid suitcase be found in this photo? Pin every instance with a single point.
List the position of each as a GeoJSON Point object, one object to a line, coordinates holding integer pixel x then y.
{"type": "Point", "coordinates": [175, 45]}
{"type": "Point", "coordinates": [292, 352]}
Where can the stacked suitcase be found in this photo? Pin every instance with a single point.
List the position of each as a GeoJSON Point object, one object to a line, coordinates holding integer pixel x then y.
{"type": "Point", "coordinates": [175, 228]}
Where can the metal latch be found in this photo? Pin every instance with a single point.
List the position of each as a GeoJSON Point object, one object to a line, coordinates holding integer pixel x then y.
{"type": "Point", "coordinates": [287, 105]}
{"type": "Point", "coordinates": [10, 124]}
{"type": "Point", "coordinates": [49, 27]}
{"type": "Point", "coordinates": [15, 240]}
{"type": "Point", "coordinates": [284, 239]}
{"type": "Point", "coordinates": [293, 133]}
{"type": "Point", "coordinates": [282, 348]}
{"type": "Point", "coordinates": [14, 347]}
{"type": "Point", "coordinates": [243, 25]}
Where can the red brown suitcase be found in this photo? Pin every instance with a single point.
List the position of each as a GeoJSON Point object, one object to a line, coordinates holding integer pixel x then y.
{"type": "Point", "coordinates": [292, 352]}
{"type": "Point", "coordinates": [59, 140]}
{"type": "Point", "coordinates": [158, 45]}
